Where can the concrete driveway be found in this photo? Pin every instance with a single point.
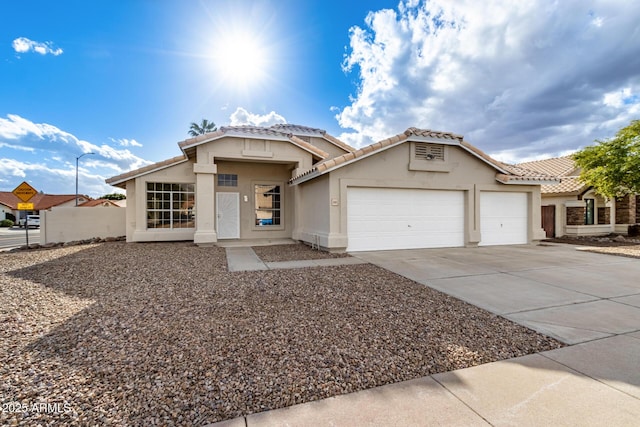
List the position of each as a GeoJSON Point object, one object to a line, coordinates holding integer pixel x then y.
{"type": "Point", "coordinates": [569, 294]}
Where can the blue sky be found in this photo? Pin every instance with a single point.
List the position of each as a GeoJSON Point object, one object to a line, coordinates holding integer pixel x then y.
{"type": "Point", "coordinates": [520, 80]}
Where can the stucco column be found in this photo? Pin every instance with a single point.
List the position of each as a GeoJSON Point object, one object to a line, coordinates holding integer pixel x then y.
{"type": "Point", "coordinates": [205, 204]}
{"type": "Point", "coordinates": [535, 213]}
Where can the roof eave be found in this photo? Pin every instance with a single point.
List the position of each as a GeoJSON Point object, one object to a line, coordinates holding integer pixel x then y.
{"type": "Point", "coordinates": [304, 178]}
{"type": "Point", "coordinates": [116, 181]}
{"type": "Point", "coordinates": [516, 180]}
{"type": "Point", "coordinates": [317, 173]}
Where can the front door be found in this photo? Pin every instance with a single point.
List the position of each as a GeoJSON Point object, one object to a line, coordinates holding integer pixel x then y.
{"type": "Point", "coordinates": [228, 215]}
{"type": "Point", "coordinates": [549, 220]}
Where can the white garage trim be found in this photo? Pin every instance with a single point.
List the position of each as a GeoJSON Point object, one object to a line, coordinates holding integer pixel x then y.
{"type": "Point", "coordinates": [393, 218]}
{"type": "Point", "coordinates": [503, 218]}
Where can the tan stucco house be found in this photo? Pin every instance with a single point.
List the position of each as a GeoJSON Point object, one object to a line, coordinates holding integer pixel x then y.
{"type": "Point", "coordinates": [418, 189]}
{"type": "Point", "coordinates": [573, 208]}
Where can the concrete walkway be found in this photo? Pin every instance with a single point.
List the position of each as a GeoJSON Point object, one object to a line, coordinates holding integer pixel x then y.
{"type": "Point", "coordinates": [589, 300]}
{"type": "Point", "coordinates": [245, 259]}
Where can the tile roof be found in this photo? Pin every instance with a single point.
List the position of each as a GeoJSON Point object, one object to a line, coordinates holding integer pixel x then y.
{"type": "Point", "coordinates": [40, 201]}
{"type": "Point", "coordinates": [557, 166]}
{"type": "Point", "coordinates": [517, 173]}
{"type": "Point", "coordinates": [119, 180]}
{"type": "Point", "coordinates": [98, 202]}
{"type": "Point", "coordinates": [562, 167]}
{"type": "Point", "coordinates": [508, 173]}
{"type": "Point", "coordinates": [252, 131]}
{"type": "Point", "coordinates": [248, 131]}
{"type": "Point", "coordinates": [309, 131]}
{"type": "Point", "coordinates": [298, 129]}
{"type": "Point", "coordinates": [569, 185]}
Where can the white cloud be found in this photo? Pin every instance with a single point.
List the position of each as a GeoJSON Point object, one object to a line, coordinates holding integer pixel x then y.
{"type": "Point", "coordinates": [242, 117]}
{"type": "Point", "coordinates": [51, 154]}
{"type": "Point", "coordinates": [124, 142]}
{"type": "Point", "coordinates": [620, 98]}
{"type": "Point", "coordinates": [24, 45]}
{"type": "Point", "coordinates": [16, 147]}
{"type": "Point", "coordinates": [529, 78]}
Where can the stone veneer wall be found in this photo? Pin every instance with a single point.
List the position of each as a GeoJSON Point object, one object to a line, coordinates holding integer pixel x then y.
{"type": "Point", "coordinates": [604, 215]}
{"type": "Point", "coordinates": [575, 215]}
{"type": "Point", "coordinates": [626, 209]}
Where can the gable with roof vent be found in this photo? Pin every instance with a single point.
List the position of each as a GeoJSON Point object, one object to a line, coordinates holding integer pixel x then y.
{"type": "Point", "coordinates": [426, 156]}
{"type": "Point", "coordinates": [424, 151]}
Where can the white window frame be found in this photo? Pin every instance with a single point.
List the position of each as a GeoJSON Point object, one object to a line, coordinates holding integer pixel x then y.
{"type": "Point", "coordinates": [280, 226]}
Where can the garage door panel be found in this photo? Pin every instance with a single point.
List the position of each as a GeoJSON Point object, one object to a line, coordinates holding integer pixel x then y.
{"type": "Point", "coordinates": [503, 218]}
{"type": "Point", "coordinates": [404, 218]}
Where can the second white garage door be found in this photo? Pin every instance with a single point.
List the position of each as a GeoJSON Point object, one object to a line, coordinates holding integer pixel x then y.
{"type": "Point", "coordinates": [390, 218]}
{"type": "Point", "coordinates": [503, 218]}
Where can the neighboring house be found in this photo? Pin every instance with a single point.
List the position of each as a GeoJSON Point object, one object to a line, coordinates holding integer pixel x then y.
{"type": "Point", "coordinates": [99, 203]}
{"type": "Point", "coordinates": [9, 203]}
{"type": "Point", "coordinates": [572, 208]}
{"type": "Point", "coordinates": [6, 211]}
{"type": "Point", "coordinates": [417, 189]}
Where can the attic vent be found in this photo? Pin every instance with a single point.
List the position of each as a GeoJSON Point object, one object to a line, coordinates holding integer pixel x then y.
{"type": "Point", "coordinates": [429, 151]}
{"type": "Point", "coordinates": [304, 138]}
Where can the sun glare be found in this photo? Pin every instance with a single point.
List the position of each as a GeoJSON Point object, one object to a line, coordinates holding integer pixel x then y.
{"type": "Point", "coordinates": [241, 59]}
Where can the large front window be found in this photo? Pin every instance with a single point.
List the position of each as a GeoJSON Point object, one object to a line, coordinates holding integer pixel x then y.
{"type": "Point", "coordinates": [170, 205]}
{"type": "Point", "coordinates": [267, 204]}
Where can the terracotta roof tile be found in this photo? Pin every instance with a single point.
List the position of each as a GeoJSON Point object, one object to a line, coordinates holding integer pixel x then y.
{"type": "Point", "coordinates": [432, 134]}
{"type": "Point", "coordinates": [40, 201]}
{"type": "Point", "coordinates": [98, 202]}
{"type": "Point", "coordinates": [518, 171]}
{"type": "Point", "coordinates": [557, 166]}
{"type": "Point", "coordinates": [309, 147]}
{"type": "Point", "coordinates": [328, 164]}
{"type": "Point", "coordinates": [251, 132]}
{"type": "Point", "coordinates": [561, 167]}
{"type": "Point", "coordinates": [309, 131]}
{"type": "Point", "coordinates": [7, 198]}
{"type": "Point", "coordinates": [568, 185]}
{"type": "Point", "coordinates": [506, 172]}
{"type": "Point", "coordinates": [298, 129]}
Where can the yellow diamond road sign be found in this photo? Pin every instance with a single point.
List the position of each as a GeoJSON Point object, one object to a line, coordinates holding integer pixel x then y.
{"type": "Point", "coordinates": [25, 192]}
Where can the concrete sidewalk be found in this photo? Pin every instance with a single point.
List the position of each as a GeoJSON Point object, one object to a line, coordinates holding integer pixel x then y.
{"type": "Point", "coordinates": [559, 388]}
{"type": "Point", "coordinates": [589, 300]}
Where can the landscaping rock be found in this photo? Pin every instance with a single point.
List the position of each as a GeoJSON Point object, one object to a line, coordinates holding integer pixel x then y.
{"type": "Point", "coordinates": [162, 334]}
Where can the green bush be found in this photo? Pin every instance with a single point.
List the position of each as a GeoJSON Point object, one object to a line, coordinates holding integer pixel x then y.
{"type": "Point", "coordinates": [6, 223]}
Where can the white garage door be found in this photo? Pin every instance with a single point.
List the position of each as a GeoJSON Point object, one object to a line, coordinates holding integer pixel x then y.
{"type": "Point", "coordinates": [503, 218]}
{"type": "Point", "coordinates": [389, 218]}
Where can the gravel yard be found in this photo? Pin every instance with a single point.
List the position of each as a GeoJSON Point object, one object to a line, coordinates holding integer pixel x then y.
{"type": "Point", "coordinates": [611, 245]}
{"type": "Point", "coordinates": [295, 252]}
{"type": "Point", "coordinates": [162, 334]}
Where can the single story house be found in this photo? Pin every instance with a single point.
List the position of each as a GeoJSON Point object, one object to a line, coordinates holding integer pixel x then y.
{"type": "Point", "coordinates": [41, 201]}
{"type": "Point", "coordinates": [573, 208]}
{"type": "Point", "coordinates": [418, 189]}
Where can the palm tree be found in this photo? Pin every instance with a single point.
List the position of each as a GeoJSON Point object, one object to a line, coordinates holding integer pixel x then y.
{"type": "Point", "coordinates": [205, 126]}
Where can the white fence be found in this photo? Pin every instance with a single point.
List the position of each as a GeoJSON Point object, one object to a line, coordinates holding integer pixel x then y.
{"type": "Point", "coordinates": [60, 225]}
